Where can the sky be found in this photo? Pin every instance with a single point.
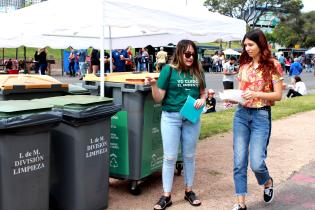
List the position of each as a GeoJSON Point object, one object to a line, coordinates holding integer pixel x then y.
{"type": "Point", "coordinates": [309, 5]}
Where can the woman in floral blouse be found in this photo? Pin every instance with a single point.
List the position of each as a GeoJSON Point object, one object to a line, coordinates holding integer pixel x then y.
{"type": "Point", "coordinates": [261, 84]}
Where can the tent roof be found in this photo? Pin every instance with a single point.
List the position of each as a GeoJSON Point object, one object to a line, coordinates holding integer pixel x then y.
{"type": "Point", "coordinates": [231, 52]}
{"type": "Point", "coordinates": [310, 51]}
{"type": "Point", "coordinates": [137, 23]}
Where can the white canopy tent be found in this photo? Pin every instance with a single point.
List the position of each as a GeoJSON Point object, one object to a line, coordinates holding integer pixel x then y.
{"type": "Point", "coordinates": [112, 24]}
{"type": "Point", "coordinates": [310, 51]}
{"type": "Point", "coordinates": [231, 52]}
{"type": "Point", "coordinates": [50, 24]}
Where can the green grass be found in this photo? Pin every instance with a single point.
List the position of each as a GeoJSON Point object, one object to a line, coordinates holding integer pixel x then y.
{"type": "Point", "coordinates": [225, 45]}
{"type": "Point", "coordinates": [11, 53]}
{"type": "Point", "coordinates": [219, 122]}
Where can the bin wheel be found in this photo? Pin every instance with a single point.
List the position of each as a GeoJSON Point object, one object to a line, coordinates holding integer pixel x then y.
{"type": "Point", "coordinates": [179, 168]}
{"type": "Point", "coordinates": [134, 188]}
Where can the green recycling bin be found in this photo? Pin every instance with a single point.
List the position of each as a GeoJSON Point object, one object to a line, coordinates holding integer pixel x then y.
{"type": "Point", "coordinates": [80, 152]}
{"type": "Point", "coordinates": [24, 154]}
{"type": "Point", "coordinates": [136, 149]}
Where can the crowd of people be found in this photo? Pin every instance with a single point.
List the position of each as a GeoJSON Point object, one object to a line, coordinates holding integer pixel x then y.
{"type": "Point", "coordinates": [123, 60]}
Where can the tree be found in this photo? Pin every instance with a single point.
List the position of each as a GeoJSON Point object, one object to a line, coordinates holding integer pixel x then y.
{"type": "Point", "coordinates": [296, 30]}
{"type": "Point", "coordinates": [251, 10]}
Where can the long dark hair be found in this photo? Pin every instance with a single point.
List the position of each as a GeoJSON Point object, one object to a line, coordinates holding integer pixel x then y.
{"type": "Point", "coordinates": [266, 62]}
{"type": "Point", "coordinates": [179, 64]}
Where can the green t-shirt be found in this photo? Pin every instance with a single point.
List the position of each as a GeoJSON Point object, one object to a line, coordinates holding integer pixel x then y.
{"type": "Point", "coordinates": [178, 86]}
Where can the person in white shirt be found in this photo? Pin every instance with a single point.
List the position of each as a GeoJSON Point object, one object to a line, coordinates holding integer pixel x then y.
{"type": "Point", "coordinates": [229, 70]}
{"type": "Point", "coordinates": [299, 88]}
{"type": "Point", "coordinates": [161, 58]}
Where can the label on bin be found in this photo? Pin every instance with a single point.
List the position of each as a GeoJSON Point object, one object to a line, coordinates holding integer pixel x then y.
{"type": "Point", "coordinates": [29, 161]}
{"type": "Point", "coordinates": [119, 147]}
{"type": "Point", "coordinates": [152, 149]}
{"type": "Point", "coordinates": [96, 147]}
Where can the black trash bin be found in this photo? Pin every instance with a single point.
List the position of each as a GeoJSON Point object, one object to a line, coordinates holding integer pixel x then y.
{"type": "Point", "coordinates": [24, 154]}
{"type": "Point", "coordinates": [80, 152]}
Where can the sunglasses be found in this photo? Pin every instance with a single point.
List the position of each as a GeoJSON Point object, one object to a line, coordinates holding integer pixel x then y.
{"type": "Point", "coordinates": [189, 54]}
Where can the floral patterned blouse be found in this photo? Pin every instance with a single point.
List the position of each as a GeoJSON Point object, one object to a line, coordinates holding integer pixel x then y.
{"type": "Point", "coordinates": [251, 79]}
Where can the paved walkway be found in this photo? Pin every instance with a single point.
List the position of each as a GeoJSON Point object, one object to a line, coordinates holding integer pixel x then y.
{"type": "Point", "coordinates": [297, 193]}
{"type": "Point", "coordinates": [291, 162]}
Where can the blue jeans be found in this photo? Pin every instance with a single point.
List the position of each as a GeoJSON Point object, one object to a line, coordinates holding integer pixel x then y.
{"type": "Point", "coordinates": [82, 68]}
{"type": "Point", "coordinates": [178, 131]}
{"type": "Point", "coordinates": [251, 133]}
{"type": "Point", "coordinates": [42, 68]}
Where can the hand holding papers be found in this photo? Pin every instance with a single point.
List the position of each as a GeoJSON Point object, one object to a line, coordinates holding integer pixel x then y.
{"type": "Point", "coordinates": [189, 111]}
{"type": "Point", "coordinates": [232, 95]}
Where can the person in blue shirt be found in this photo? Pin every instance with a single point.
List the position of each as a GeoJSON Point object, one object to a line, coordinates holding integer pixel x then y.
{"type": "Point", "coordinates": [120, 57]}
{"type": "Point", "coordinates": [82, 57]}
{"type": "Point", "coordinates": [295, 69]}
{"type": "Point", "coordinates": [281, 60]}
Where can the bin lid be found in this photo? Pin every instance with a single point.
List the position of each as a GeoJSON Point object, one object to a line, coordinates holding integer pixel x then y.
{"type": "Point", "coordinates": [77, 90]}
{"type": "Point", "coordinates": [24, 113]}
{"type": "Point", "coordinates": [23, 83]}
{"type": "Point", "coordinates": [14, 107]}
{"type": "Point", "coordinates": [75, 101]}
{"type": "Point", "coordinates": [82, 106]}
{"type": "Point", "coordinates": [123, 77]}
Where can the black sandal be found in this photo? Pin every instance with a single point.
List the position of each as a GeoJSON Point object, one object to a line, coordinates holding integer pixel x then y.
{"type": "Point", "coordinates": [191, 197]}
{"type": "Point", "coordinates": [164, 202]}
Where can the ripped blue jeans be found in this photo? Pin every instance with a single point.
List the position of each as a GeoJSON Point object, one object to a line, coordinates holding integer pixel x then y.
{"type": "Point", "coordinates": [178, 131]}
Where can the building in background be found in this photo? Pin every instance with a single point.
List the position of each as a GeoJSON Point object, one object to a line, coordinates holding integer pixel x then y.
{"type": "Point", "coordinates": [10, 5]}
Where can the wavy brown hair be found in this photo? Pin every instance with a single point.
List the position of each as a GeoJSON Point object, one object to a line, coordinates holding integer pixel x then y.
{"type": "Point", "coordinates": [266, 62]}
{"type": "Point", "coordinates": [178, 61]}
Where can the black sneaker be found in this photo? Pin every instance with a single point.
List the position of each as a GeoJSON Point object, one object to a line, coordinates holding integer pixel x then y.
{"type": "Point", "coordinates": [239, 207]}
{"type": "Point", "coordinates": [269, 193]}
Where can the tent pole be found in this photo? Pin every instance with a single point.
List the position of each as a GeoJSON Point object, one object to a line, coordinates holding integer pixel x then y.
{"type": "Point", "coordinates": [25, 70]}
{"type": "Point", "coordinates": [102, 53]}
{"type": "Point", "coordinates": [110, 50]}
{"type": "Point", "coordinates": [3, 58]}
{"type": "Point", "coordinates": [61, 51]}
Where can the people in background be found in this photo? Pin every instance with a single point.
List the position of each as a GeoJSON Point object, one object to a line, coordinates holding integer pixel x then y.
{"type": "Point", "coordinates": [138, 60]}
{"type": "Point", "coordinates": [129, 62]}
{"type": "Point", "coordinates": [42, 61]}
{"type": "Point", "coordinates": [144, 59]}
{"type": "Point", "coordinates": [216, 61]}
{"type": "Point", "coordinates": [210, 102]}
{"type": "Point", "coordinates": [36, 61]}
{"type": "Point", "coordinates": [181, 78]}
{"type": "Point", "coordinates": [71, 59]}
{"type": "Point", "coordinates": [295, 69]}
{"type": "Point", "coordinates": [120, 57]}
{"type": "Point", "coordinates": [261, 83]}
{"type": "Point", "coordinates": [82, 53]}
{"type": "Point", "coordinates": [229, 71]}
{"type": "Point", "coordinates": [287, 62]}
{"type": "Point", "coordinates": [106, 62]}
{"type": "Point", "coordinates": [221, 60]}
{"type": "Point", "coordinates": [95, 61]}
{"type": "Point", "coordinates": [161, 58]}
{"type": "Point", "coordinates": [297, 89]}
{"type": "Point", "coordinates": [281, 60]}
{"type": "Point", "coordinates": [9, 64]}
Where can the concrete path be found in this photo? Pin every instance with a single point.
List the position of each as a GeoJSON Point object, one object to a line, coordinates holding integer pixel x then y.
{"type": "Point", "coordinates": [297, 193]}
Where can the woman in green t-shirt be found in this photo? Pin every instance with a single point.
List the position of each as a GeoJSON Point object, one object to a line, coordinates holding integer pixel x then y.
{"type": "Point", "coordinates": [181, 78]}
